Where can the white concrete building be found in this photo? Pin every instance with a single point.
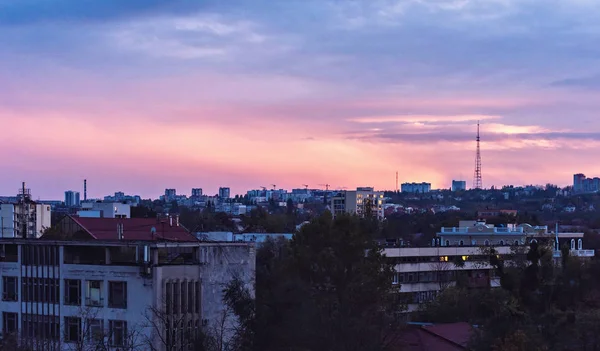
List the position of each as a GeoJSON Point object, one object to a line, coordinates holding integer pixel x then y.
{"type": "Point", "coordinates": [357, 202]}
{"type": "Point", "coordinates": [114, 293]}
{"type": "Point", "coordinates": [105, 210]}
{"type": "Point", "coordinates": [12, 217]}
{"type": "Point", "coordinates": [419, 188]}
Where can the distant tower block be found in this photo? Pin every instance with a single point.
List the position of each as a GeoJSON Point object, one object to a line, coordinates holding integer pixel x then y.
{"type": "Point", "coordinates": [477, 179]}
{"type": "Point", "coordinates": [84, 189]}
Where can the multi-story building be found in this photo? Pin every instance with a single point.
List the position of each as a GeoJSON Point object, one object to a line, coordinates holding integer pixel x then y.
{"type": "Point", "coordinates": [105, 210]}
{"type": "Point", "coordinates": [420, 188]}
{"type": "Point", "coordinates": [24, 220]}
{"type": "Point", "coordinates": [72, 198]}
{"type": "Point", "coordinates": [359, 202]}
{"type": "Point", "coordinates": [170, 195]}
{"type": "Point", "coordinates": [196, 193]}
{"type": "Point", "coordinates": [224, 193]}
{"type": "Point", "coordinates": [116, 284]}
{"type": "Point", "coordinates": [459, 185]}
{"type": "Point", "coordinates": [479, 233]}
{"type": "Point", "coordinates": [582, 184]}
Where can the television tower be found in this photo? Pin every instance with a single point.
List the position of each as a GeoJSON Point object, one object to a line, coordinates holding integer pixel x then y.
{"type": "Point", "coordinates": [477, 182]}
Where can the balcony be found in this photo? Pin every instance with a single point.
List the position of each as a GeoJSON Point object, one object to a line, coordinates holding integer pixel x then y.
{"type": "Point", "coordinates": [577, 253]}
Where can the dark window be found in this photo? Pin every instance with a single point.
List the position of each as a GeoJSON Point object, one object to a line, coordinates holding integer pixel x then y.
{"type": "Point", "coordinates": [118, 333]}
{"type": "Point", "coordinates": [176, 297]}
{"type": "Point", "coordinates": [40, 327]}
{"type": "Point", "coordinates": [168, 298]}
{"type": "Point", "coordinates": [9, 323]}
{"type": "Point", "coordinates": [197, 297]}
{"type": "Point", "coordinates": [117, 294]}
{"type": "Point", "coordinates": [9, 289]}
{"type": "Point", "coordinates": [191, 303]}
{"type": "Point", "coordinates": [95, 329]}
{"type": "Point", "coordinates": [45, 290]}
{"type": "Point", "coordinates": [72, 329]}
{"type": "Point", "coordinates": [72, 292]}
{"type": "Point", "coordinates": [184, 302]}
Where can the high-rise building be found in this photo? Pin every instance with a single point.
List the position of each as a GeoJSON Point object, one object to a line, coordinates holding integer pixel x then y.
{"type": "Point", "coordinates": [197, 193]}
{"type": "Point", "coordinates": [459, 185]}
{"type": "Point", "coordinates": [72, 198]}
{"type": "Point", "coordinates": [224, 193]}
{"type": "Point", "coordinates": [582, 184]}
{"type": "Point", "coordinates": [170, 194]}
{"type": "Point", "coordinates": [14, 218]}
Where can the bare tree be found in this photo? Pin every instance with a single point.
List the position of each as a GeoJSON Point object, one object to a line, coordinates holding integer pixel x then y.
{"type": "Point", "coordinates": [443, 271]}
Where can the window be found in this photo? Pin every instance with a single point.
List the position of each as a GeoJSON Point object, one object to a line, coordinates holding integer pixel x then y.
{"type": "Point", "coordinates": [572, 244]}
{"type": "Point", "coordinates": [501, 242]}
{"type": "Point", "coordinates": [95, 329]}
{"type": "Point", "coordinates": [176, 297]}
{"type": "Point", "coordinates": [579, 244]}
{"type": "Point", "coordinates": [118, 333]}
{"type": "Point", "coordinates": [117, 294]}
{"type": "Point", "coordinates": [9, 289]}
{"type": "Point", "coordinates": [191, 302]}
{"type": "Point", "coordinates": [43, 327]}
{"type": "Point", "coordinates": [9, 323]}
{"type": "Point", "coordinates": [486, 243]}
{"type": "Point", "coordinates": [447, 242]}
{"type": "Point", "coordinates": [461, 243]}
{"type": "Point", "coordinates": [516, 242]}
{"type": "Point", "coordinates": [184, 296]}
{"type": "Point", "coordinates": [44, 290]}
{"type": "Point", "coordinates": [72, 329]}
{"type": "Point", "coordinates": [395, 279]}
{"type": "Point", "coordinates": [197, 297]}
{"type": "Point", "coordinates": [72, 292]}
{"type": "Point", "coordinates": [93, 293]}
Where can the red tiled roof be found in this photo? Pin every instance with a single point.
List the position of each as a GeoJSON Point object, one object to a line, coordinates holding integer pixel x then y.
{"type": "Point", "coordinates": [134, 229]}
{"type": "Point", "coordinates": [442, 337]}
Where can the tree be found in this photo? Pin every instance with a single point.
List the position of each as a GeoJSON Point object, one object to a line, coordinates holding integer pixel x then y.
{"type": "Point", "coordinates": [328, 289]}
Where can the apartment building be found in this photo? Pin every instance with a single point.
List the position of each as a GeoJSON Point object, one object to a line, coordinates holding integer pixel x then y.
{"type": "Point", "coordinates": [135, 284]}
{"type": "Point", "coordinates": [105, 210]}
{"type": "Point", "coordinates": [358, 202]}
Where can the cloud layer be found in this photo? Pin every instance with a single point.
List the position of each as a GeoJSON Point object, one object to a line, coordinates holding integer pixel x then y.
{"type": "Point", "coordinates": [143, 95]}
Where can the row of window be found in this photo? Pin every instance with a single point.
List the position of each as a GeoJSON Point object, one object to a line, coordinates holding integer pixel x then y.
{"type": "Point", "coordinates": [418, 297]}
{"type": "Point", "coordinates": [182, 297]}
{"type": "Point", "coordinates": [44, 327]}
{"type": "Point", "coordinates": [47, 290]}
{"type": "Point", "coordinates": [423, 277]}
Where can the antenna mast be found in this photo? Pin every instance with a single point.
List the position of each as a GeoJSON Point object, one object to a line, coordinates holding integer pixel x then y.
{"type": "Point", "coordinates": [477, 181]}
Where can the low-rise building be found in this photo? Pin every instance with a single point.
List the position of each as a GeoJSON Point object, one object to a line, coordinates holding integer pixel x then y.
{"type": "Point", "coordinates": [135, 284]}
{"type": "Point", "coordinates": [105, 210]}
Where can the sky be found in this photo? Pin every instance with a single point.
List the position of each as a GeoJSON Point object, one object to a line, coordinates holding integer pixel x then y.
{"type": "Point", "coordinates": [143, 95]}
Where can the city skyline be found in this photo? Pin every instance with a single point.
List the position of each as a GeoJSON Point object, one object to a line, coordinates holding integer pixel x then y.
{"type": "Point", "coordinates": [140, 96]}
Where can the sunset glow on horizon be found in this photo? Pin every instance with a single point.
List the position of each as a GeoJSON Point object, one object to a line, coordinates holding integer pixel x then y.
{"type": "Point", "coordinates": [139, 96]}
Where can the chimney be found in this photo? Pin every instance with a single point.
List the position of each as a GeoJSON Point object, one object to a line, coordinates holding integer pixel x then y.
{"type": "Point", "coordinates": [120, 231]}
{"type": "Point", "coordinates": [171, 221]}
{"type": "Point", "coordinates": [177, 220]}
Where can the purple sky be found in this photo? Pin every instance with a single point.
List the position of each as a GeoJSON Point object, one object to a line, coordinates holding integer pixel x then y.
{"type": "Point", "coordinates": [141, 95]}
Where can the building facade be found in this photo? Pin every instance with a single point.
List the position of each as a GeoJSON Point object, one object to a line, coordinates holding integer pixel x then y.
{"type": "Point", "coordinates": [361, 201]}
{"type": "Point", "coordinates": [582, 184]}
{"type": "Point", "coordinates": [419, 188]}
{"type": "Point", "coordinates": [117, 294]}
{"type": "Point", "coordinates": [459, 185]}
{"type": "Point", "coordinates": [28, 220]}
{"type": "Point", "coordinates": [224, 193]}
{"type": "Point", "coordinates": [105, 210]}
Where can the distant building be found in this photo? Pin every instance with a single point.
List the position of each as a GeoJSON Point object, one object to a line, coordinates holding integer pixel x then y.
{"type": "Point", "coordinates": [12, 216]}
{"type": "Point", "coordinates": [486, 214]}
{"type": "Point", "coordinates": [357, 202]}
{"type": "Point", "coordinates": [582, 184]}
{"type": "Point", "coordinates": [105, 210]}
{"type": "Point", "coordinates": [224, 193]}
{"type": "Point", "coordinates": [420, 188]}
{"type": "Point", "coordinates": [196, 193]}
{"type": "Point", "coordinates": [170, 195]}
{"type": "Point", "coordinates": [72, 198]}
{"type": "Point", "coordinates": [459, 185]}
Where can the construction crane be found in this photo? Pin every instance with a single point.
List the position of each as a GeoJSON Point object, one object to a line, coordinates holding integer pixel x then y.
{"type": "Point", "coordinates": [274, 186]}
{"type": "Point", "coordinates": [305, 186]}
{"type": "Point", "coordinates": [326, 186]}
